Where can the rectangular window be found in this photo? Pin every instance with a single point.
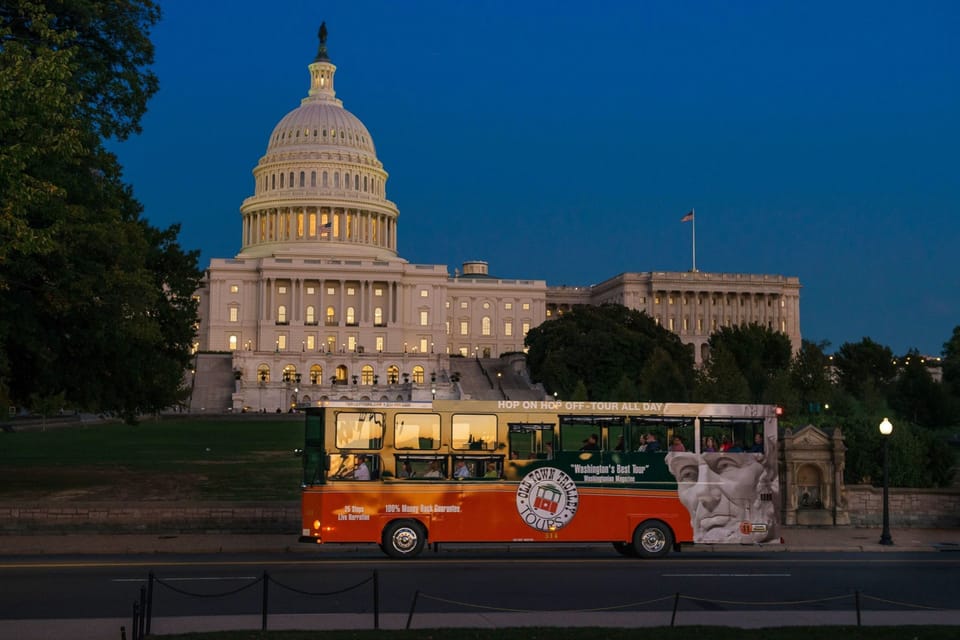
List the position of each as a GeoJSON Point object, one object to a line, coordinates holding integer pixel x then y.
{"type": "Point", "coordinates": [416, 431]}
{"type": "Point", "coordinates": [351, 291]}
{"type": "Point", "coordinates": [281, 342]}
{"type": "Point", "coordinates": [463, 304]}
{"type": "Point", "coordinates": [233, 343]}
{"type": "Point", "coordinates": [378, 292]}
{"type": "Point", "coordinates": [311, 342]}
{"type": "Point", "coordinates": [464, 328]}
{"type": "Point", "coordinates": [526, 306]}
{"type": "Point", "coordinates": [234, 314]}
{"type": "Point", "coordinates": [463, 351]}
{"type": "Point", "coordinates": [424, 318]}
{"type": "Point", "coordinates": [234, 288]}
{"type": "Point", "coordinates": [331, 291]}
{"type": "Point", "coordinates": [379, 344]}
{"type": "Point", "coordinates": [359, 430]}
{"type": "Point", "coordinates": [508, 328]}
{"type": "Point", "coordinates": [424, 293]}
{"type": "Point", "coordinates": [351, 343]}
{"type": "Point", "coordinates": [508, 305]}
{"type": "Point", "coordinates": [310, 291]}
{"type": "Point", "coordinates": [526, 329]}
{"type": "Point", "coordinates": [331, 344]}
{"type": "Point", "coordinates": [281, 289]}
{"type": "Point", "coordinates": [423, 346]}
{"type": "Point", "coordinates": [476, 432]}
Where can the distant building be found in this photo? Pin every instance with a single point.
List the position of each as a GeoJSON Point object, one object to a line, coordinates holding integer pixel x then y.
{"type": "Point", "coordinates": [319, 304]}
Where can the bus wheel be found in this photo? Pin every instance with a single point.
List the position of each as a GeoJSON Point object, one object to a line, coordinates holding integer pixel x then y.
{"type": "Point", "coordinates": [625, 549]}
{"type": "Point", "coordinates": [652, 539]}
{"type": "Point", "coordinates": [403, 539]}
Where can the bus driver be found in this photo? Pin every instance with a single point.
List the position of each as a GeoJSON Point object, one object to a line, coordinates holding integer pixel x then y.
{"type": "Point", "coordinates": [725, 491]}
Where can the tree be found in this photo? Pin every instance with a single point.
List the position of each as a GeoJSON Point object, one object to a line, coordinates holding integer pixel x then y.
{"type": "Point", "coordinates": [758, 351]}
{"type": "Point", "coordinates": [600, 345]}
{"type": "Point", "coordinates": [915, 396]}
{"type": "Point", "coordinates": [951, 363]}
{"type": "Point", "coordinates": [864, 368]}
{"type": "Point", "coordinates": [809, 376]}
{"type": "Point", "coordinates": [97, 303]}
{"type": "Point", "coordinates": [720, 379]}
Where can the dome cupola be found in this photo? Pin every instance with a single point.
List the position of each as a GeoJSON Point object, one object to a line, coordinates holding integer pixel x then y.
{"type": "Point", "coordinates": [320, 189]}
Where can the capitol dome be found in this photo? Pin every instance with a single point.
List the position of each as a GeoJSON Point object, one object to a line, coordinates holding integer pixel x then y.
{"type": "Point", "coordinates": [320, 189]}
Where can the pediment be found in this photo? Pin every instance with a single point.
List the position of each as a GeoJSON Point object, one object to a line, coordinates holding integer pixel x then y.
{"type": "Point", "coordinates": [811, 436]}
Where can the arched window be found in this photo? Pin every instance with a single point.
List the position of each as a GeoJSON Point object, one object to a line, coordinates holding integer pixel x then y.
{"type": "Point", "coordinates": [325, 179]}
{"type": "Point", "coordinates": [303, 179]}
{"type": "Point", "coordinates": [393, 374]}
{"type": "Point", "coordinates": [485, 325]}
{"type": "Point", "coordinates": [366, 374]}
{"type": "Point", "coordinates": [364, 183]}
{"type": "Point", "coordinates": [351, 315]}
{"type": "Point", "coordinates": [263, 373]}
{"type": "Point", "coordinates": [331, 316]}
{"type": "Point", "coordinates": [311, 314]}
{"type": "Point", "coordinates": [346, 180]}
{"type": "Point", "coordinates": [342, 374]}
{"type": "Point", "coordinates": [282, 313]}
{"type": "Point", "coordinates": [316, 374]}
{"type": "Point", "coordinates": [289, 373]}
{"type": "Point", "coordinates": [281, 181]}
{"type": "Point", "coordinates": [336, 180]}
{"type": "Point", "coordinates": [378, 316]}
{"type": "Point", "coordinates": [291, 179]}
{"type": "Point", "coordinates": [418, 374]}
{"type": "Point", "coordinates": [313, 178]}
{"type": "Point", "coordinates": [273, 181]}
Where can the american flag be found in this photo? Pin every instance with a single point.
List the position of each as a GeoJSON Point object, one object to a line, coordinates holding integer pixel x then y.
{"type": "Point", "coordinates": [688, 217]}
{"type": "Point", "coordinates": [326, 228]}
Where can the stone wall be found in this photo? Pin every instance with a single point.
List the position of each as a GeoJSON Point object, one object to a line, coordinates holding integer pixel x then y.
{"type": "Point", "coordinates": [159, 517]}
{"type": "Point", "coordinates": [929, 508]}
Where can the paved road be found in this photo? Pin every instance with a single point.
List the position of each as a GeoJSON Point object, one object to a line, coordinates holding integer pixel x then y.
{"type": "Point", "coordinates": [841, 557]}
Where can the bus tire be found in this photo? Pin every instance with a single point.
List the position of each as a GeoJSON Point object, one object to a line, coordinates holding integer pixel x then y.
{"type": "Point", "coordinates": [626, 549]}
{"type": "Point", "coordinates": [403, 539]}
{"type": "Point", "coordinates": [652, 539]}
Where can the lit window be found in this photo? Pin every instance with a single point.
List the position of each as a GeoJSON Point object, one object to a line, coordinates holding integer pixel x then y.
{"type": "Point", "coordinates": [310, 291]}
{"type": "Point", "coordinates": [351, 315]}
{"type": "Point", "coordinates": [281, 289]}
{"type": "Point", "coordinates": [331, 291]}
{"type": "Point", "coordinates": [424, 318]}
{"type": "Point", "coordinates": [351, 343]}
{"type": "Point", "coordinates": [233, 343]}
{"type": "Point", "coordinates": [508, 328]}
{"type": "Point", "coordinates": [351, 291]}
{"type": "Point", "coordinates": [366, 374]}
{"type": "Point", "coordinates": [234, 314]}
{"type": "Point", "coordinates": [526, 306]}
{"type": "Point", "coordinates": [526, 328]}
{"type": "Point", "coordinates": [464, 328]}
{"type": "Point", "coordinates": [282, 313]}
{"type": "Point", "coordinates": [486, 305]}
{"type": "Point", "coordinates": [311, 314]}
{"type": "Point", "coordinates": [281, 342]}
{"type": "Point", "coordinates": [463, 304]}
{"type": "Point", "coordinates": [311, 342]}
{"type": "Point", "coordinates": [485, 325]}
{"type": "Point", "coordinates": [508, 306]}
{"type": "Point", "coordinates": [378, 292]}
{"type": "Point", "coordinates": [234, 288]}
{"type": "Point", "coordinates": [331, 316]}
{"type": "Point", "coordinates": [424, 293]}
{"type": "Point", "coordinates": [379, 344]}
{"type": "Point", "coordinates": [378, 316]}
{"type": "Point", "coordinates": [418, 374]}
{"type": "Point", "coordinates": [423, 345]}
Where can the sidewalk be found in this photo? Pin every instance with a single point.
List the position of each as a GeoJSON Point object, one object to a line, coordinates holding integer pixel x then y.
{"type": "Point", "coordinates": [797, 539]}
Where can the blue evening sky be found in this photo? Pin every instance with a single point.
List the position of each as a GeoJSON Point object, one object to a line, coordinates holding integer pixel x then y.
{"type": "Point", "coordinates": [563, 141]}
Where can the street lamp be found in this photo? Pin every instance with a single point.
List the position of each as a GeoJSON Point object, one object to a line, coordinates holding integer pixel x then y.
{"type": "Point", "coordinates": [886, 428]}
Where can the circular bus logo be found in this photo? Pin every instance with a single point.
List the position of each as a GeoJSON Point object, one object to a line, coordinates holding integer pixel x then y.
{"type": "Point", "coordinates": [547, 499]}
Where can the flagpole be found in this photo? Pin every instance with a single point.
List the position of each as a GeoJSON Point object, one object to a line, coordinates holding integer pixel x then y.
{"type": "Point", "coordinates": [693, 227]}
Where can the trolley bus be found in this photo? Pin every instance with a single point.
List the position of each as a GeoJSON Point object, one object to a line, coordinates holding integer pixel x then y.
{"type": "Point", "coordinates": [639, 475]}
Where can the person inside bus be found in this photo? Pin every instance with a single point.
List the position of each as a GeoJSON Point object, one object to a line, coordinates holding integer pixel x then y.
{"type": "Point", "coordinates": [406, 471]}
{"type": "Point", "coordinates": [461, 471]}
{"type": "Point", "coordinates": [548, 450]}
{"type": "Point", "coordinates": [652, 444]}
{"type": "Point", "coordinates": [677, 444]}
{"type": "Point", "coordinates": [757, 443]}
{"type": "Point", "coordinates": [361, 471]}
{"type": "Point", "coordinates": [491, 470]}
{"type": "Point", "coordinates": [722, 493]}
{"type": "Point", "coordinates": [709, 445]}
{"type": "Point", "coordinates": [590, 444]}
{"type": "Point", "coordinates": [433, 470]}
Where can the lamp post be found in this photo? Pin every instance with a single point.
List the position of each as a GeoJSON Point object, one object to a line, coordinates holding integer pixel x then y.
{"type": "Point", "coordinates": [886, 428]}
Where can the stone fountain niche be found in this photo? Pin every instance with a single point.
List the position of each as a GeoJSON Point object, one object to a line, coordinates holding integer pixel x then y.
{"type": "Point", "coordinates": [813, 478]}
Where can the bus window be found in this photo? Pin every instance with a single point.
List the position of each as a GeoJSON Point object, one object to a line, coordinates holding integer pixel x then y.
{"type": "Point", "coordinates": [354, 466]}
{"type": "Point", "coordinates": [591, 433]}
{"type": "Point", "coordinates": [416, 431]}
{"type": "Point", "coordinates": [529, 440]}
{"type": "Point", "coordinates": [359, 430]}
{"type": "Point", "coordinates": [476, 432]}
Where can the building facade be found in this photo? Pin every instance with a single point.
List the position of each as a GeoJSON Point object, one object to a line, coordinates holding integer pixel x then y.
{"type": "Point", "coordinates": [319, 304]}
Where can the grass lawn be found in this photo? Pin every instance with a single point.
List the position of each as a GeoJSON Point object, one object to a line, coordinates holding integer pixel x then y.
{"type": "Point", "coordinates": [236, 458]}
{"type": "Point", "coordinates": [646, 633]}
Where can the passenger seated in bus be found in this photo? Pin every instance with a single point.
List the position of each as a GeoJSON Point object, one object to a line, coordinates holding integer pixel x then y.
{"type": "Point", "coordinates": [491, 470]}
{"type": "Point", "coordinates": [709, 445]}
{"type": "Point", "coordinates": [652, 445]}
{"type": "Point", "coordinates": [461, 471]}
{"type": "Point", "coordinates": [433, 470]}
{"type": "Point", "coordinates": [548, 450]}
{"type": "Point", "coordinates": [725, 444]}
{"type": "Point", "coordinates": [406, 471]}
{"type": "Point", "coordinates": [677, 444]}
{"type": "Point", "coordinates": [757, 443]}
{"type": "Point", "coordinates": [361, 471]}
{"type": "Point", "coordinates": [590, 444]}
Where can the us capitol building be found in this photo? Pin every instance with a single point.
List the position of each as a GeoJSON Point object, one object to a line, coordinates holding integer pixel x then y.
{"type": "Point", "coordinates": [318, 304]}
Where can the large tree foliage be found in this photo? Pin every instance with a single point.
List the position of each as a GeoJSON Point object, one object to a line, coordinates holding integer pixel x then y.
{"type": "Point", "coordinates": [97, 303]}
{"type": "Point", "coordinates": [759, 353]}
{"type": "Point", "coordinates": [864, 368]}
{"type": "Point", "coordinates": [607, 349]}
